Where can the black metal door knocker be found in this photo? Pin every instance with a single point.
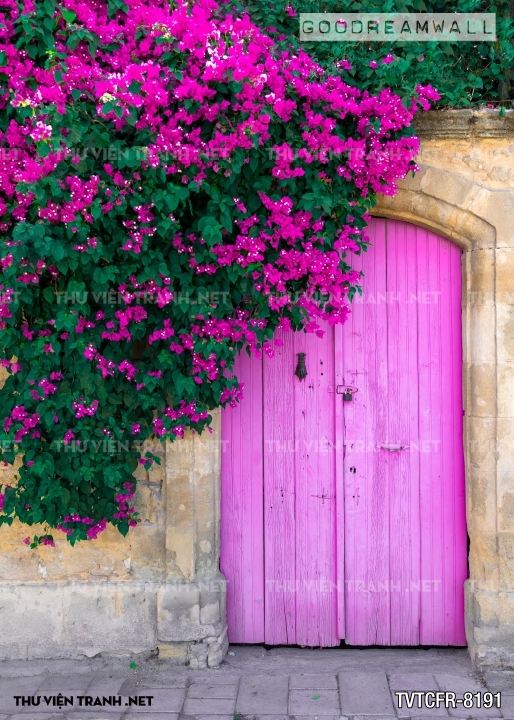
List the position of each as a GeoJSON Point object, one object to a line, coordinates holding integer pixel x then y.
{"type": "Point", "coordinates": [301, 370]}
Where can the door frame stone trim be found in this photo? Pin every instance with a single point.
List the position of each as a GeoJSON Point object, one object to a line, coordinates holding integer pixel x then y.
{"type": "Point", "coordinates": [478, 219]}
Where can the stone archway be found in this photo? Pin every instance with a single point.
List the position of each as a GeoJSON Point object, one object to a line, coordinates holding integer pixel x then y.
{"type": "Point", "coordinates": [475, 217]}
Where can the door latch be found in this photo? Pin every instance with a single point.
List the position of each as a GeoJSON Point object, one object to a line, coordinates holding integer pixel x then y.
{"type": "Point", "coordinates": [392, 448]}
{"type": "Point", "coordinates": [347, 391]}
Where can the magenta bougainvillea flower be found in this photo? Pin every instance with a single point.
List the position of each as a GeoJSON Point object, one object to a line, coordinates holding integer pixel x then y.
{"type": "Point", "coordinates": [173, 188]}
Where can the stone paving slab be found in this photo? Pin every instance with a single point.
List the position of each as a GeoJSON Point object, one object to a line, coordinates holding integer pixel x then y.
{"type": "Point", "coordinates": [99, 687]}
{"type": "Point", "coordinates": [409, 682]}
{"type": "Point", "coordinates": [366, 717]}
{"type": "Point", "coordinates": [208, 717]}
{"type": "Point", "coordinates": [64, 683]}
{"type": "Point", "coordinates": [365, 692]}
{"type": "Point", "coordinates": [169, 682]}
{"type": "Point", "coordinates": [313, 702]}
{"type": "Point", "coordinates": [204, 690]}
{"type": "Point", "coordinates": [213, 706]}
{"type": "Point", "coordinates": [507, 706]}
{"type": "Point", "coordinates": [41, 716]}
{"type": "Point", "coordinates": [261, 694]}
{"type": "Point", "coordinates": [214, 676]}
{"type": "Point", "coordinates": [461, 685]}
{"type": "Point", "coordinates": [154, 716]}
{"type": "Point", "coordinates": [313, 682]}
{"type": "Point", "coordinates": [21, 685]}
{"type": "Point", "coordinates": [164, 700]}
{"type": "Point", "coordinates": [91, 716]}
{"type": "Point", "coordinates": [500, 681]}
{"type": "Point", "coordinates": [312, 717]}
{"type": "Point", "coordinates": [8, 705]}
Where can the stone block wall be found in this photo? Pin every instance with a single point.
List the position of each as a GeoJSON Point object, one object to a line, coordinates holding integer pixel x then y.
{"type": "Point", "coordinates": [157, 590]}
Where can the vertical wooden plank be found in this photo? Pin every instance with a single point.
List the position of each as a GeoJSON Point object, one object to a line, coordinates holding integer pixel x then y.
{"type": "Point", "coordinates": [456, 570]}
{"type": "Point", "coordinates": [279, 495]}
{"type": "Point", "coordinates": [403, 411]}
{"type": "Point", "coordinates": [242, 541]}
{"type": "Point", "coordinates": [366, 474]}
{"type": "Point", "coordinates": [316, 578]}
{"type": "Point", "coordinates": [339, 479]}
{"type": "Point", "coordinates": [443, 530]}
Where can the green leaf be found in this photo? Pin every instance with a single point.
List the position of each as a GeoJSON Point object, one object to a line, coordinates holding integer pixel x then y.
{"type": "Point", "coordinates": [68, 15]}
{"type": "Point", "coordinates": [48, 294]}
{"type": "Point", "coordinates": [49, 7]}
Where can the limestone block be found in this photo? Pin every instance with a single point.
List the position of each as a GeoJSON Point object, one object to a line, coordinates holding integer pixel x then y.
{"type": "Point", "coordinates": [505, 385]}
{"type": "Point", "coordinates": [483, 561]}
{"type": "Point", "coordinates": [448, 186]}
{"type": "Point", "coordinates": [149, 502]}
{"type": "Point", "coordinates": [481, 277]}
{"type": "Point", "coordinates": [180, 555]}
{"type": "Point", "coordinates": [178, 613]}
{"type": "Point", "coordinates": [217, 650]}
{"type": "Point", "coordinates": [59, 621]}
{"type": "Point", "coordinates": [453, 124]}
{"type": "Point", "coordinates": [174, 651]}
{"type": "Point", "coordinates": [210, 652]}
{"type": "Point", "coordinates": [186, 612]}
{"type": "Point", "coordinates": [480, 448]}
{"type": "Point", "coordinates": [146, 557]}
{"type": "Point", "coordinates": [505, 332]}
{"type": "Point", "coordinates": [485, 613]}
{"type": "Point", "coordinates": [505, 446]}
{"type": "Point", "coordinates": [499, 212]}
{"type": "Point", "coordinates": [481, 390]}
{"type": "Point", "coordinates": [198, 654]}
{"type": "Point", "coordinates": [504, 260]}
{"type": "Point", "coordinates": [488, 161]}
{"type": "Point", "coordinates": [506, 550]}
{"type": "Point", "coordinates": [212, 595]}
{"type": "Point", "coordinates": [207, 513]}
{"type": "Point", "coordinates": [32, 621]}
{"type": "Point", "coordinates": [111, 618]}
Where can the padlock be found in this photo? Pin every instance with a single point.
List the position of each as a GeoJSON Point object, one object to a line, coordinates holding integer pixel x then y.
{"type": "Point", "coordinates": [347, 395]}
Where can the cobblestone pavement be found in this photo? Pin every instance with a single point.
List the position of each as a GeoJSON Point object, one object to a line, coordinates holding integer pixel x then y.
{"type": "Point", "coordinates": [256, 684]}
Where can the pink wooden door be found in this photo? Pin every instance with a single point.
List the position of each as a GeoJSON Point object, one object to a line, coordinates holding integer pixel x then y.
{"type": "Point", "coordinates": [279, 530]}
{"type": "Point", "coordinates": [347, 519]}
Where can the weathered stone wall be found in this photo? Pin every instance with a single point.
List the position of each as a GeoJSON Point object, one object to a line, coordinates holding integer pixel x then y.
{"type": "Point", "coordinates": [160, 588]}
{"type": "Point", "coordinates": [465, 191]}
{"type": "Point", "coordinates": [157, 589]}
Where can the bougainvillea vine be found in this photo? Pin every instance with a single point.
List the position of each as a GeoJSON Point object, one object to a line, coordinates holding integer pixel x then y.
{"type": "Point", "coordinates": [173, 189]}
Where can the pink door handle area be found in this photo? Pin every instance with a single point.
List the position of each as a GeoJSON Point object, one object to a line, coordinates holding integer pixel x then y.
{"type": "Point", "coordinates": [392, 448]}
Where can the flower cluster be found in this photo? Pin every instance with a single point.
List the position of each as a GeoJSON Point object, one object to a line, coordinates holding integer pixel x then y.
{"type": "Point", "coordinates": [155, 153]}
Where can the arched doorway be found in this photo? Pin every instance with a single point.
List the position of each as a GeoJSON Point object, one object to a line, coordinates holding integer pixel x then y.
{"type": "Point", "coordinates": [345, 518]}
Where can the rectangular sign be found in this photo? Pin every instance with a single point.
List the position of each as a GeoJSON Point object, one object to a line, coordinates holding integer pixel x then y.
{"type": "Point", "coordinates": [413, 27]}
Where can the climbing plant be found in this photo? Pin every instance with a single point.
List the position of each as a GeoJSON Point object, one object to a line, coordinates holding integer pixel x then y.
{"type": "Point", "coordinates": [465, 73]}
{"type": "Point", "coordinates": [175, 185]}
